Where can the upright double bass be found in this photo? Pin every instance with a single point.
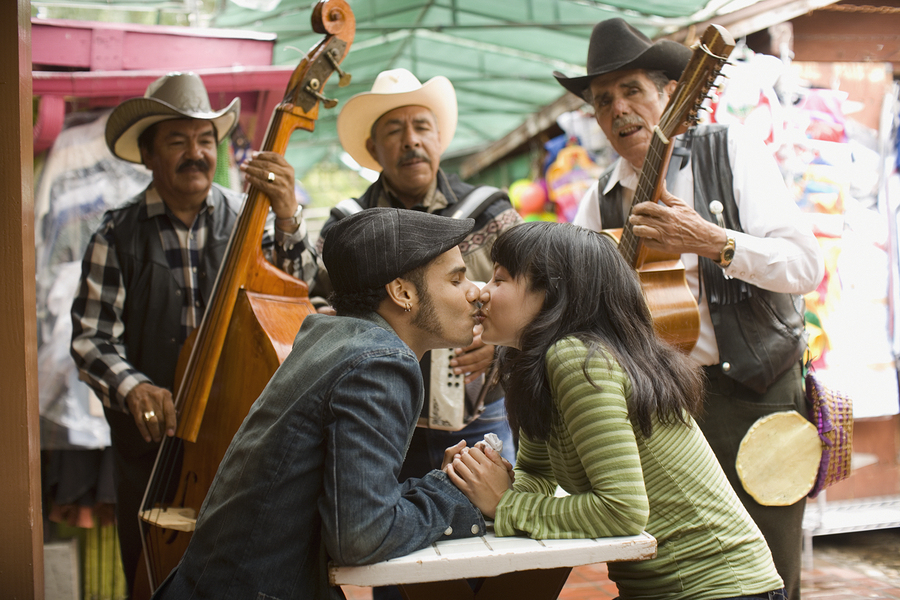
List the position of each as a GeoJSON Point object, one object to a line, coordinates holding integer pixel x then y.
{"type": "Point", "coordinates": [253, 316]}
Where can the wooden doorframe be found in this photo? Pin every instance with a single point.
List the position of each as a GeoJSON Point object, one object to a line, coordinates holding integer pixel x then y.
{"type": "Point", "coordinates": [21, 550]}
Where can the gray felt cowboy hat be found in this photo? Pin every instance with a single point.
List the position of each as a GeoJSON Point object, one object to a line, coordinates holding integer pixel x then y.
{"type": "Point", "coordinates": [392, 89]}
{"type": "Point", "coordinates": [172, 96]}
{"type": "Point", "coordinates": [617, 46]}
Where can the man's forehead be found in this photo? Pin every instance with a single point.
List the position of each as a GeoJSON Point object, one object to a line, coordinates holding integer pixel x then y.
{"type": "Point", "coordinates": [185, 126]}
{"type": "Point", "coordinates": [412, 112]}
{"type": "Point", "coordinates": [448, 263]}
{"type": "Point", "coordinates": [608, 81]}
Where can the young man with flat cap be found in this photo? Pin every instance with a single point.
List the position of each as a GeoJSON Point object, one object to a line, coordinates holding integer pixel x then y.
{"type": "Point", "coordinates": [311, 475]}
{"type": "Point", "coordinates": [401, 128]}
{"type": "Point", "coordinates": [149, 270]}
{"type": "Point", "coordinates": [746, 275]}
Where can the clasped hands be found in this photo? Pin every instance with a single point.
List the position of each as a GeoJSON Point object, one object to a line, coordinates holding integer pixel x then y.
{"type": "Point", "coordinates": [480, 473]}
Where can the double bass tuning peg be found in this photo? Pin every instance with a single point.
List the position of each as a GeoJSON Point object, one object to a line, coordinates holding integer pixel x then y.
{"type": "Point", "coordinates": [313, 88]}
{"type": "Point", "coordinates": [333, 59]}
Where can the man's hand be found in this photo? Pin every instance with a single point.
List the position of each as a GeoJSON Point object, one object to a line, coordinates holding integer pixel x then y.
{"type": "Point", "coordinates": [676, 228]}
{"type": "Point", "coordinates": [281, 190]}
{"type": "Point", "coordinates": [144, 399]}
{"type": "Point", "coordinates": [481, 476]}
{"type": "Point", "coordinates": [473, 360]}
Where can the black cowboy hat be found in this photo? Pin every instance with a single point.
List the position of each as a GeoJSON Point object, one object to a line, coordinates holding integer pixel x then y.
{"type": "Point", "coordinates": [617, 46]}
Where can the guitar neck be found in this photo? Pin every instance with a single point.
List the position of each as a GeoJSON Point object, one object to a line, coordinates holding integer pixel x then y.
{"type": "Point", "coordinates": [650, 184]}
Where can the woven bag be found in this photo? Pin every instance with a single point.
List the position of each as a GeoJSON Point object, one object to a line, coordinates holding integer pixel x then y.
{"type": "Point", "coordinates": [832, 414]}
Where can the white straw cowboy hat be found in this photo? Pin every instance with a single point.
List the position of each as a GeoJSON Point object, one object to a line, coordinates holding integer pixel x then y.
{"type": "Point", "coordinates": [617, 46]}
{"type": "Point", "coordinates": [172, 96]}
{"type": "Point", "coordinates": [393, 89]}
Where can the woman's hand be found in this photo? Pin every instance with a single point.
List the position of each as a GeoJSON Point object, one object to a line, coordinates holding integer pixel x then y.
{"type": "Point", "coordinates": [481, 475]}
{"type": "Point", "coordinates": [451, 453]}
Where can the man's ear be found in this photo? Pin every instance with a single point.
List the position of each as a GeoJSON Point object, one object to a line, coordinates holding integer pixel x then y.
{"type": "Point", "coordinates": [670, 87]}
{"type": "Point", "coordinates": [370, 146]}
{"type": "Point", "coordinates": [402, 293]}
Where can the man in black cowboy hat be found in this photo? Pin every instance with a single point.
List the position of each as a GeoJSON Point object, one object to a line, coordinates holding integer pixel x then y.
{"type": "Point", "coordinates": [311, 475]}
{"type": "Point", "coordinates": [746, 275]}
{"type": "Point", "coordinates": [150, 268]}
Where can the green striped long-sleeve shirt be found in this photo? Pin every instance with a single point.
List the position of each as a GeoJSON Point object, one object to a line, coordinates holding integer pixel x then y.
{"type": "Point", "coordinates": [621, 483]}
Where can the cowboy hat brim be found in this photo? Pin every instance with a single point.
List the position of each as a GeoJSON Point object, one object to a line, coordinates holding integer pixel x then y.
{"type": "Point", "coordinates": [129, 120]}
{"type": "Point", "coordinates": [664, 55]}
{"type": "Point", "coordinates": [354, 123]}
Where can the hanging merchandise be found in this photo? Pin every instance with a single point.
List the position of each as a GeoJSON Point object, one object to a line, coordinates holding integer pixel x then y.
{"type": "Point", "coordinates": [569, 177]}
{"type": "Point", "coordinates": [822, 142]}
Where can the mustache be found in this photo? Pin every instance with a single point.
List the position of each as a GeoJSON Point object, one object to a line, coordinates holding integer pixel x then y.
{"type": "Point", "coordinates": [626, 121]}
{"type": "Point", "coordinates": [200, 165]}
{"type": "Point", "coordinates": [412, 154]}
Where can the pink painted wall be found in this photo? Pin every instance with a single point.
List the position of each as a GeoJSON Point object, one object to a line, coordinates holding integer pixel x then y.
{"type": "Point", "coordinates": [116, 47]}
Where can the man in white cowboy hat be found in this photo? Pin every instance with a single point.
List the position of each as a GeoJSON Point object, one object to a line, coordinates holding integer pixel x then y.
{"type": "Point", "coordinates": [756, 263]}
{"type": "Point", "coordinates": [149, 270]}
{"type": "Point", "coordinates": [401, 128]}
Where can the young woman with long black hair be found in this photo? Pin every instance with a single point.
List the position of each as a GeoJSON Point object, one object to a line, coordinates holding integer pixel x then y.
{"type": "Point", "coordinates": [604, 409]}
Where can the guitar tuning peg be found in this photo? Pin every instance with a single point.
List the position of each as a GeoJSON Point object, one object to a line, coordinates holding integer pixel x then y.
{"type": "Point", "coordinates": [333, 59]}
{"type": "Point", "coordinates": [313, 88]}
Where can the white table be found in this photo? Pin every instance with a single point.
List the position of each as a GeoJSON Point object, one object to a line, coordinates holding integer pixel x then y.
{"type": "Point", "coordinates": [514, 567]}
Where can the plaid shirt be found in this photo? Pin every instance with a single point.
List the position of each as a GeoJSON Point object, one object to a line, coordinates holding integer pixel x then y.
{"type": "Point", "coordinates": [98, 329]}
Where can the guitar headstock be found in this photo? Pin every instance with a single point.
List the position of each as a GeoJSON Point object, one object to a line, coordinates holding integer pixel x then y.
{"type": "Point", "coordinates": [305, 88]}
{"type": "Point", "coordinates": [710, 53]}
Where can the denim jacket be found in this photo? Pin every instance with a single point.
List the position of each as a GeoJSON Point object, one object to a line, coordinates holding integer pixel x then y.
{"type": "Point", "coordinates": [311, 475]}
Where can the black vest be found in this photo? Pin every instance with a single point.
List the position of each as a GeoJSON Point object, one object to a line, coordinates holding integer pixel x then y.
{"type": "Point", "coordinates": [153, 298]}
{"type": "Point", "coordinates": [760, 334]}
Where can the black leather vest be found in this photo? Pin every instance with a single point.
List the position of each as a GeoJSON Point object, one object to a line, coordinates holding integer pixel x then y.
{"type": "Point", "coordinates": [760, 334]}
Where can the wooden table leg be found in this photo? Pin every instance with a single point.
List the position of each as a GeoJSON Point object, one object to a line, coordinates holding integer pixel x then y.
{"type": "Point", "coordinates": [458, 589]}
{"type": "Point", "coordinates": [539, 584]}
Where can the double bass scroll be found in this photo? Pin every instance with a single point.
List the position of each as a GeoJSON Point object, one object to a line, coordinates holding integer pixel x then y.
{"type": "Point", "coordinates": [252, 317]}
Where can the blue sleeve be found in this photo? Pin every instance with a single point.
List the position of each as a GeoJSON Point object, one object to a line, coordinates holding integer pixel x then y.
{"type": "Point", "coordinates": [367, 516]}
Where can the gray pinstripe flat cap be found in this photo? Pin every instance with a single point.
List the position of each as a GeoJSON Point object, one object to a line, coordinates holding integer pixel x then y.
{"type": "Point", "coordinates": [375, 246]}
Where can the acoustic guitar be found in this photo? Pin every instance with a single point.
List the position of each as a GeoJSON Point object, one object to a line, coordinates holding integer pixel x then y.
{"type": "Point", "coordinates": [675, 314]}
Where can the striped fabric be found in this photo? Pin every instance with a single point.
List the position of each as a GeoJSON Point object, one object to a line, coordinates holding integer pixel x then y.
{"type": "Point", "coordinates": [621, 483]}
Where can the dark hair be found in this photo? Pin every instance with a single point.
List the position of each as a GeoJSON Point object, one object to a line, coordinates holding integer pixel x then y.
{"type": "Point", "coordinates": [145, 140]}
{"type": "Point", "coordinates": [659, 79]}
{"type": "Point", "coordinates": [357, 304]}
{"type": "Point", "coordinates": [591, 293]}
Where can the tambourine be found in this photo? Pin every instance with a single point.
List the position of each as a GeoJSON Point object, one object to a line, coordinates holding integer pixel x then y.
{"type": "Point", "coordinates": [778, 459]}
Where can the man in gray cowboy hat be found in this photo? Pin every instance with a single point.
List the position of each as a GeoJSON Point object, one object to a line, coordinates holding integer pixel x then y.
{"type": "Point", "coordinates": [149, 270]}
{"type": "Point", "coordinates": [757, 263]}
{"type": "Point", "coordinates": [311, 475]}
{"type": "Point", "coordinates": [401, 128]}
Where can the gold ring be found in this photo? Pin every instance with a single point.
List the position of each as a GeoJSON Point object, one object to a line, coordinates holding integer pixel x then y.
{"type": "Point", "coordinates": [271, 177]}
{"type": "Point", "coordinates": [149, 415]}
